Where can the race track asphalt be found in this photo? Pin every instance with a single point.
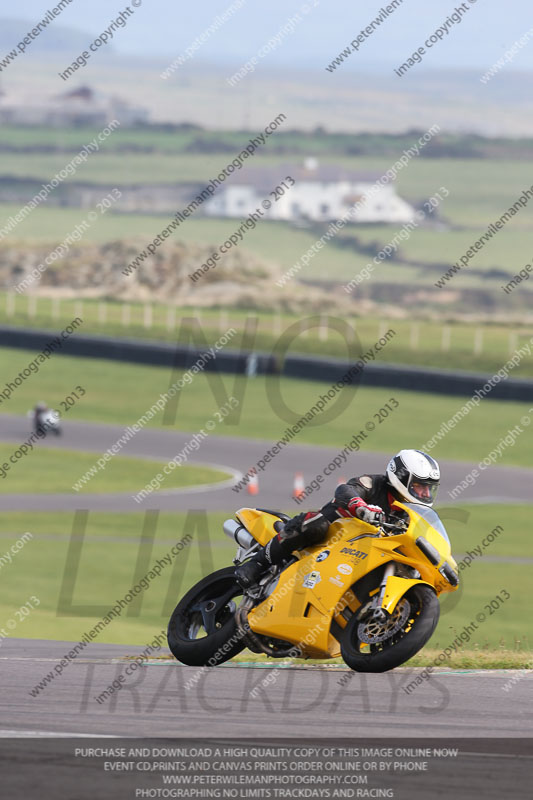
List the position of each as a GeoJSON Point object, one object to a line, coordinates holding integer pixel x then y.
{"type": "Point", "coordinates": [165, 698]}
{"type": "Point", "coordinates": [237, 455]}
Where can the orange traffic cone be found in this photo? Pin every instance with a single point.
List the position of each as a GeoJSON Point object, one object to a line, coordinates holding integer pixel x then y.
{"type": "Point", "coordinates": [253, 484]}
{"type": "Point", "coordinates": [299, 486]}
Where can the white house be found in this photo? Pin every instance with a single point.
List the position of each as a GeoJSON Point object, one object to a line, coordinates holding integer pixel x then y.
{"type": "Point", "coordinates": [319, 194]}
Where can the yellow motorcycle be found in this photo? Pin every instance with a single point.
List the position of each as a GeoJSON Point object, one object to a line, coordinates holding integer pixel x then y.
{"type": "Point", "coordinates": [368, 594]}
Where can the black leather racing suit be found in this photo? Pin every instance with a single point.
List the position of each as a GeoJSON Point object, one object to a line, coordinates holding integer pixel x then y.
{"type": "Point", "coordinates": [372, 489]}
{"type": "Point", "coordinates": [311, 528]}
{"type": "Point", "coordinates": [350, 499]}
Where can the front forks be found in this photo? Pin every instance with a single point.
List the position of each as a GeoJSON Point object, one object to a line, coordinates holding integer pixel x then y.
{"type": "Point", "coordinates": [379, 613]}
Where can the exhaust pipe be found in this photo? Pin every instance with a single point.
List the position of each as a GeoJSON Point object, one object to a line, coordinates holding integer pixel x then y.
{"type": "Point", "coordinates": [239, 533]}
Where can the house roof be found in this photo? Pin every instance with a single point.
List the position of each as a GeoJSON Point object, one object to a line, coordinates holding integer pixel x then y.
{"type": "Point", "coordinates": [268, 177]}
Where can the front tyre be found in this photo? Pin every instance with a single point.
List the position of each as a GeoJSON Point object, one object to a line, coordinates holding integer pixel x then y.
{"type": "Point", "coordinates": [368, 646]}
{"type": "Point", "coordinates": [202, 631]}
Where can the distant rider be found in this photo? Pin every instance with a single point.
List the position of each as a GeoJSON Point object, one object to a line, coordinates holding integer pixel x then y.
{"type": "Point", "coordinates": [40, 413]}
{"type": "Point", "coordinates": [412, 477]}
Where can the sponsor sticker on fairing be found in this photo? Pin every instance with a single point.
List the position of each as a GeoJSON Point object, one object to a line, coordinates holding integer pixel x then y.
{"type": "Point", "coordinates": [312, 579]}
{"type": "Point", "coordinates": [345, 569]}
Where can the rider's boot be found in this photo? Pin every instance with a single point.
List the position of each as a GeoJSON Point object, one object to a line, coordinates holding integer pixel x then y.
{"type": "Point", "coordinates": [249, 573]}
{"type": "Point", "coordinates": [304, 529]}
{"type": "Point", "coordinates": [274, 552]}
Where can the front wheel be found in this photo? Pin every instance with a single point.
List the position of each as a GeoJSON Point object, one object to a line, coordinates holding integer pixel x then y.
{"type": "Point", "coordinates": [371, 646]}
{"type": "Point", "coordinates": [202, 631]}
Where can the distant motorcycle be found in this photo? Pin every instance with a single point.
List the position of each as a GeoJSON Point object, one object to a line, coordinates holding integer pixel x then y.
{"type": "Point", "coordinates": [45, 422]}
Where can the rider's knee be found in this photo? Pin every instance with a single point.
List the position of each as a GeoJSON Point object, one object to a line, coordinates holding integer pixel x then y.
{"type": "Point", "coordinates": [314, 527]}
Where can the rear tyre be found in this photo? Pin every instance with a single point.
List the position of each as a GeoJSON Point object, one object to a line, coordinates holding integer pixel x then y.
{"type": "Point", "coordinates": [415, 623]}
{"type": "Point", "coordinates": [202, 631]}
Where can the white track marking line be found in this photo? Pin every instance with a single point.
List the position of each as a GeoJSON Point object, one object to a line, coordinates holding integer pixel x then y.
{"type": "Point", "coordinates": [236, 476]}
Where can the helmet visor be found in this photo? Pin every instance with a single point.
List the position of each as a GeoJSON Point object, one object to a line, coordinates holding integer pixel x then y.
{"type": "Point", "coordinates": [425, 491]}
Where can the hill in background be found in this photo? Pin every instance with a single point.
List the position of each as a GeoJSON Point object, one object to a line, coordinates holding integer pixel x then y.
{"type": "Point", "coordinates": [59, 40]}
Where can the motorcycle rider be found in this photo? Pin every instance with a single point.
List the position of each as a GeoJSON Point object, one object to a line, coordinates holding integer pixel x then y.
{"type": "Point", "coordinates": [45, 419]}
{"type": "Point", "coordinates": [39, 414]}
{"type": "Point", "coordinates": [411, 476]}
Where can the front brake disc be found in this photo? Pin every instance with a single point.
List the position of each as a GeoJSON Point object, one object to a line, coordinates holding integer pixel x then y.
{"type": "Point", "coordinates": [373, 631]}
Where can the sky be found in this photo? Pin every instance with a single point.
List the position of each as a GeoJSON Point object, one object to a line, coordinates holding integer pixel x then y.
{"type": "Point", "coordinates": [162, 29]}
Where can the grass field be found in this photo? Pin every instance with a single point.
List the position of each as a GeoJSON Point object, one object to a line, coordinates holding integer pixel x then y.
{"type": "Point", "coordinates": [274, 242]}
{"type": "Point", "coordinates": [507, 253]}
{"type": "Point", "coordinates": [425, 256]}
{"type": "Point", "coordinates": [78, 577]}
{"type": "Point", "coordinates": [261, 413]}
{"type": "Point", "coordinates": [167, 139]}
{"type": "Point", "coordinates": [481, 190]}
{"type": "Point", "coordinates": [446, 344]}
{"type": "Point", "coordinates": [277, 243]}
{"type": "Point", "coordinates": [46, 471]}
{"type": "Point", "coordinates": [110, 549]}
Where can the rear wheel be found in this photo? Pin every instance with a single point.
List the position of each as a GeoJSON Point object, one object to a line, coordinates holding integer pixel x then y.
{"type": "Point", "coordinates": [368, 645]}
{"type": "Point", "coordinates": [202, 631]}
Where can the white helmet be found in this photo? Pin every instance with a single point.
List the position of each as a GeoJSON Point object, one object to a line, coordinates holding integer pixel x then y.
{"type": "Point", "coordinates": [415, 476]}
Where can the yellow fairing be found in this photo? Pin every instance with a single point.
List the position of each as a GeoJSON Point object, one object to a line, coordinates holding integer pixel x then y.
{"type": "Point", "coordinates": [312, 592]}
{"type": "Point", "coordinates": [306, 607]}
{"type": "Point", "coordinates": [395, 590]}
{"type": "Point", "coordinates": [259, 523]}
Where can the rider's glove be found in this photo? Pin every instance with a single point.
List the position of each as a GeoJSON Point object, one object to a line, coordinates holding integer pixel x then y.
{"type": "Point", "coordinates": [374, 515]}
